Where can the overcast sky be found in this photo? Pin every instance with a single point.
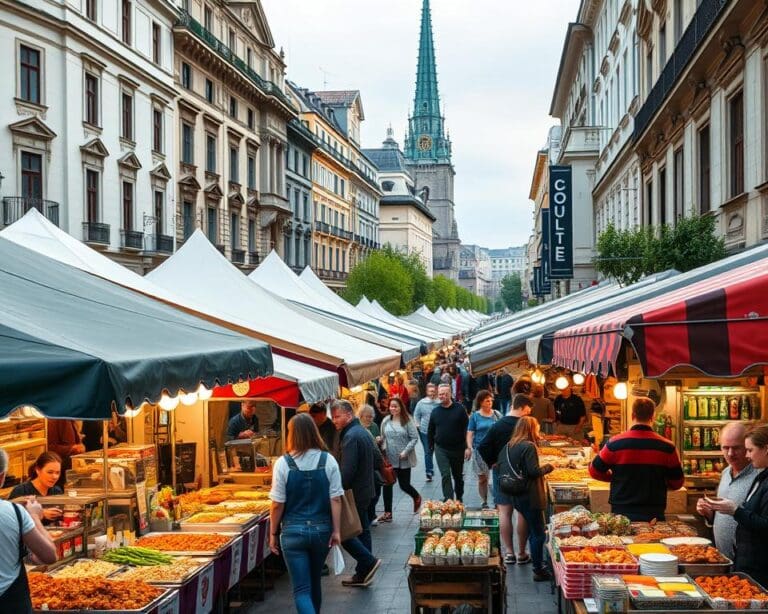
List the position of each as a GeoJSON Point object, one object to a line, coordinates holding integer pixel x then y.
{"type": "Point", "coordinates": [497, 62]}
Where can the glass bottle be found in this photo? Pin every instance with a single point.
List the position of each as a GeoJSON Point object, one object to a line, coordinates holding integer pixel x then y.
{"type": "Point", "coordinates": [745, 411]}
{"type": "Point", "coordinates": [686, 408]}
{"type": "Point", "coordinates": [722, 413]}
{"type": "Point", "coordinates": [734, 413]}
{"type": "Point", "coordinates": [687, 440]}
{"type": "Point", "coordinates": [693, 408]}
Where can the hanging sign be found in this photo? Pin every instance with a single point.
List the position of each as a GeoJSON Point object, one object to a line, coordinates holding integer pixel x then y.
{"type": "Point", "coordinates": [560, 222]}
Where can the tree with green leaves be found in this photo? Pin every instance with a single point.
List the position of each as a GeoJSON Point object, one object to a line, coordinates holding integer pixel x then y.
{"type": "Point", "coordinates": [422, 284]}
{"type": "Point", "coordinates": [627, 255]}
{"type": "Point", "coordinates": [512, 291]}
{"type": "Point", "coordinates": [444, 291]}
{"type": "Point", "coordinates": [383, 278]}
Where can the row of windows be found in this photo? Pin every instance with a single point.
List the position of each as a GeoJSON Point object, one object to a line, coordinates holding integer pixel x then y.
{"type": "Point", "coordinates": [330, 258]}
{"type": "Point", "coordinates": [297, 250]}
{"type": "Point", "coordinates": [214, 227]}
{"type": "Point", "coordinates": [330, 216]}
{"type": "Point", "coordinates": [211, 161]}
{"type": "Point", "coordinates": [329, 180]}
{"type": "Point", "coordinates": [188, 82]}
{"type": "Point", "coordinates": [297, 161]}
{"type": "Point", "coordinates": [299, 201]}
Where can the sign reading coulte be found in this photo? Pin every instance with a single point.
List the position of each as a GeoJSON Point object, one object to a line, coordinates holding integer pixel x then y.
{"type": "Point", "coordinates": [560, 223]}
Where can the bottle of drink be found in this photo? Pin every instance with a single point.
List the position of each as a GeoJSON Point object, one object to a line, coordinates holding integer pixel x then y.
{"type": "Point", "coordinates": [714, 408]}
{"type": "Point", "coordinates": [706, 438]}
{"type": "Point", "coordinates": [686, 408]}
{"type": "Point", "coordinates": [694, 466]}
{"type": "Point", "coordinates": [696, 438]}
{"type": "Point", "coordinates": [687, 440]}
{"type": "Point", "coordinates": [709, 465]}
{"type": "Point", "coordinates": [693, 408]}
{"type": "Point", "coordinates": [715, 438]}
{"type": "Point", "coordinates": [745, 411]}
{"type": "Point", "coordinates": [722, 413]}
{"type": "Point", "coordinates": [734, 413]}
{"type": "Point", "coordinates": [687, 467]}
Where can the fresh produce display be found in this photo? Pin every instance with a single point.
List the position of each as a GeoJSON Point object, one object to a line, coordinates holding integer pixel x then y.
{"type": "Point", "coordinates": [568, 475]}
{"type": "Point", "coordinates": [739, 592]}
{"type": "Point", "coordinates": [706, 555]}
{"type": "Point", "coordinates": [89, 593]}
{"type": "Point", "coordinates": [612, 524]}
{"type": "Point", "coordinates": [178, 570]}
{"type": "Point", "coordinates": [580, 541]}
{"type": "Point", "coordinates": [184, 542]}
{"type": "Point", "coordinates": [86, 568]}
{"type": "Point", "coordinates": [452, 548]}
{"type": "Point", "coordinates": [447, 514]}
{"type": "Point", "coordinates": [579, 521]}
{"type": "Point", "coordinates": [136, 555]}
{"type": "Point", "coordinates": [599, 557]}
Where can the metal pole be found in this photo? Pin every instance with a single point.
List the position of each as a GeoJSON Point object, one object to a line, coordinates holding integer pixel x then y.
{"type": "Point", "coordinates": [172, 434]}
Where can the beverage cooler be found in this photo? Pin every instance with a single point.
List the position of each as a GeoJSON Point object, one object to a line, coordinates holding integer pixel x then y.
{"type": "Point", "coordinates": [704, 411]}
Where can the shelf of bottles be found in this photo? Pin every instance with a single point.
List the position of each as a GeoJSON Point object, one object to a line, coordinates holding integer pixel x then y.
{"type": "Point", "coordinates": [706, 410]}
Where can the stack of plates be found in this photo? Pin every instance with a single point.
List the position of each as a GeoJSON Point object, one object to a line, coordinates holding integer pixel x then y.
{"type": "Point", "coordinates": [611, 593]}
{"type": "Point", "coordinates": [657, 564]}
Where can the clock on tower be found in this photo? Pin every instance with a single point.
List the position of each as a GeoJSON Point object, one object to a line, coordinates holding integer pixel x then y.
{"type": "Point", "coordinates": [425, 142]}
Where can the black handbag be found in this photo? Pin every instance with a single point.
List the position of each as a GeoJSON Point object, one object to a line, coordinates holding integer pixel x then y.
{"type": "Point", "coordinates": [513, 482]}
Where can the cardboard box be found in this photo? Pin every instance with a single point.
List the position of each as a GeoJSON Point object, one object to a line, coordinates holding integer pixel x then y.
{"type": "Point", "coordinates": [677, 500]}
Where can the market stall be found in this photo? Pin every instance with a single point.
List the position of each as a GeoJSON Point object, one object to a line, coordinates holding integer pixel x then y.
{"type": "Point", "coordinates": [375, 310]}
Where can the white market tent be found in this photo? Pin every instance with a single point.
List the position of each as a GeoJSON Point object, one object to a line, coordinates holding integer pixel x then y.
{"type": "Point", "coordinates": [443, 315]}
{"type": "Point", "coordinates": [425, 318]}
{"type": "Point", "coordinates": [274, 276]}
{"type": "Point", "coordinates": [35, 232]}
{"type": "Point", "coordinates": [375, 310]}
{"type": "Point", "coordinates": [200, 273]}
{"type": "Point", "coordinates": [393, 325]}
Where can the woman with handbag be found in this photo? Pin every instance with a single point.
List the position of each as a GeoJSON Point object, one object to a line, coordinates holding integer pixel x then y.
{"type": "Point", "coordinates": [522, 477]}
{"type": "Point", "coordinates": [399, 438]}
{"type": "Point", "coordinates": [306, 508]}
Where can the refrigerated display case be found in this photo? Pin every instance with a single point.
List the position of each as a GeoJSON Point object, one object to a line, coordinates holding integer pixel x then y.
{"type": "Point", "coordinates": [704, 411]}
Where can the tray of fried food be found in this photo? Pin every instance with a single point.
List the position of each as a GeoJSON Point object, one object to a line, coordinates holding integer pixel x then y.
{"type": "Point", "coordinates": [189, 543]}
{"type": "Point", "coordinates": [181, 570]}
{"type": "Point", "coordinates": [566, 475]}
{"type": "Point", "coordinates": [53, 595]}
{"type": "Point", "coordinates": [86, 568]}
{"type": "Point", "coordinates": [736, 591]}
{"type": "Point", "coordinates": [242, 507]}
{"type": "Point", "coordinates": [701, 560]}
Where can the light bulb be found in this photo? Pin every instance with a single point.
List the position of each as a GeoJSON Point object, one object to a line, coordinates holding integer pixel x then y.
{"type": "Point", "coordinates": [620, 391]}
{"type": "Point", "coordinates": [189, 398]}
{"type": "Point", "coordinates": [578, 379]}
{"type": "Point", "coordinates": [561, 383]}
{"type": "Point", "coordinates": [168, 403]}
{"type": "Point", "coordinates": [537, 377]}
{"type": "Point", "coordinates": [204, 393]}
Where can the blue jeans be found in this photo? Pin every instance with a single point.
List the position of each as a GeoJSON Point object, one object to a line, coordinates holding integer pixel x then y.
{"type": "Point", "coordinates": [428, 462]}
{"type": "Point", "coordinates": [360, 548]}
{"type": "Point", "coordinates": [304, 548]}
{"type": "Point", "coordinates": [536, 534]}
{"type": "Point", "coordinates": [504, 406]}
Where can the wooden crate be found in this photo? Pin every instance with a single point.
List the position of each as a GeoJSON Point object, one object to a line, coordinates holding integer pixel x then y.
{"type": "Point", "coordinates": [434, 587]}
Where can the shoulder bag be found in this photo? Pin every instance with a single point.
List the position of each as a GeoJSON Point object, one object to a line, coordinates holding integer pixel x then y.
{"type": "Point", "coordinates": [387, 473]}
{"type": "Point", "coordinates": [350, 521]}
{"type": "Point", "coordinates": [511, 481]}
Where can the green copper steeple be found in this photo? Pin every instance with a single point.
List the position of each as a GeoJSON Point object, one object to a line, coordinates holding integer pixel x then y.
{"type": "Point", "coordinates": [426, 141]}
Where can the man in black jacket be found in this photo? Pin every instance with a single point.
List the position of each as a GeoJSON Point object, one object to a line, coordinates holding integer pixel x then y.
{"type": "Point", "coordinates": [447, 436]}
{"type": "Point", "coordinates": [357, 459]}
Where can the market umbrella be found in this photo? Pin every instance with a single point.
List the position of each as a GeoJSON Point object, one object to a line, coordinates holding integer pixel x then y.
{"type": "Point", "coordinates": [73, 345]}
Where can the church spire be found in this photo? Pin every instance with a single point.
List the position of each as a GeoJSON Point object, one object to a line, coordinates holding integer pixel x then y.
{"type": "Point", "coordinates": [426, 132]}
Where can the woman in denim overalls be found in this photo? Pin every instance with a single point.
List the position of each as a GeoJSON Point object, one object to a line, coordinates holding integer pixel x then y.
{"type": "Point", "coordinates": [306, 506]}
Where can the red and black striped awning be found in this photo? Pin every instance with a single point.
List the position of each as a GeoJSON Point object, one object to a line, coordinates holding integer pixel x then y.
{"type": "Point", "coordinates": [718, 326]}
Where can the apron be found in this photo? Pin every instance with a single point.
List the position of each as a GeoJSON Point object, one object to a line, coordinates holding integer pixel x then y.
{"type": "Point", "coordinates": [16, 597]}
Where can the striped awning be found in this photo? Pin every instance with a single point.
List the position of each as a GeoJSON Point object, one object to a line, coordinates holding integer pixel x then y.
{"type": "Point", "coordinates": [718, 326]}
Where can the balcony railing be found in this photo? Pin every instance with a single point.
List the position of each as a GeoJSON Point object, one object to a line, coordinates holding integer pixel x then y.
{"type": "Point", "coordinates": [14, 207]}
{"type": "Point", "coordinates": [238, 256]}
{"type": "Point", "coordinates": [267, 87]}
{"type": "Point", "coordinates": [96, 232]}
{"type": "Point", "coordinates": [335, 275]}
{"type": "Point", "coordinates": [701, 25]}
{"type": "Point", "coordinates": [442, 264]}
{"type": "Point", "coordinates": [132, 239]}
{"type": "Point", "coordinates": [162, 244]}
{"type": "Point", "coordinates": [323, 227]}
{"type": "Point", "coordinates": [253, 258]}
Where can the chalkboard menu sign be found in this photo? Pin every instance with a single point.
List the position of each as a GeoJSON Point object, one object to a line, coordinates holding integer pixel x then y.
{"type": "Point", "coordinates": [185, 462]}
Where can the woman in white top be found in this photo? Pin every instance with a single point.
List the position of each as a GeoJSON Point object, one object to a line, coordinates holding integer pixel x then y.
{"type": "Point", "coordinates": [399, 437]}
{"type": "Point", "coordinates": [306, 510]}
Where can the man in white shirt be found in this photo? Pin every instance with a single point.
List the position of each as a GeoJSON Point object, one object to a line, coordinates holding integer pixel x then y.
{"type": "Point", "coordinates": [421, 415]}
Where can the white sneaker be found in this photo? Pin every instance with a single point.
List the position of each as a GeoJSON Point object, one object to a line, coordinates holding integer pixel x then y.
{"type": "Point", "coordinates": [375, 522]}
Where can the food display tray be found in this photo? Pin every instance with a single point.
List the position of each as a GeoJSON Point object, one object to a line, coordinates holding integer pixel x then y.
{"type": "Point", "coordinates": [198, 553]}
{"type": "Point", "coordinates": [219, 527]}
{"type": "Point", "coordinates": [204, 562]}
{"type": "Point", "coordinates": [150, 607]}
{"type": "Point", "coordinates": [706, 569]}
{"type": "Point", "coordinates": [727, 604]}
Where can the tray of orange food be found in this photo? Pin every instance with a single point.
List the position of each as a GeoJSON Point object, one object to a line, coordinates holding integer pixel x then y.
{"type": "Point", "coordinates": [736, 591]}
{"type": "Point", "coordinates": [701, 560]}
{"type": "Point", "coordinates": [617, 560]}
{"type": "Point", "coordinates": [95, 595]}
{"type": "Point", "coordinates": [188, 543]}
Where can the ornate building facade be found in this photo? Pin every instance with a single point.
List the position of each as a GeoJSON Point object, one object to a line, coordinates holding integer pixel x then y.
{"type": "Point", "coordinates": [428, 154]}
{"type": "Point", "coordinates": [231, 129]}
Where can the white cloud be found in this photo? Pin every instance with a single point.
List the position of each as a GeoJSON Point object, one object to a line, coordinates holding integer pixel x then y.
{"type": "Point", "coordinates": [497, 62]}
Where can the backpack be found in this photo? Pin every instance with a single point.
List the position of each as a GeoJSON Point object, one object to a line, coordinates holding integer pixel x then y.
{"type": "Point", "coordinates": [512, 481]}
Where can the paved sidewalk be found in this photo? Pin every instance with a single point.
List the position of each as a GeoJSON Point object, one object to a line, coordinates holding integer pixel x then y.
{"type": "Point", "coordinates": [393, 543]}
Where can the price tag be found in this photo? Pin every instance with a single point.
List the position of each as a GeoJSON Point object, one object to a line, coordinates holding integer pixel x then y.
{"type": "Point", "coordinates": [253, 544]}
{"type": "Point", "coordinates": [237, 558]}
{"type": "Point", "coordinates": [170, 605]}
{"type": "Point", "coordinates": [205, 590]}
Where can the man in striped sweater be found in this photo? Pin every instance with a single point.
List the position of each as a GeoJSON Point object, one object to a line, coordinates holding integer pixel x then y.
{"type": "Point", "coordinates": [640, 465]}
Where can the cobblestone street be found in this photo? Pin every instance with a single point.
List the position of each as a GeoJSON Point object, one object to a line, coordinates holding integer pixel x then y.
{"type": "Point", "coordinates": [393, 543]}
